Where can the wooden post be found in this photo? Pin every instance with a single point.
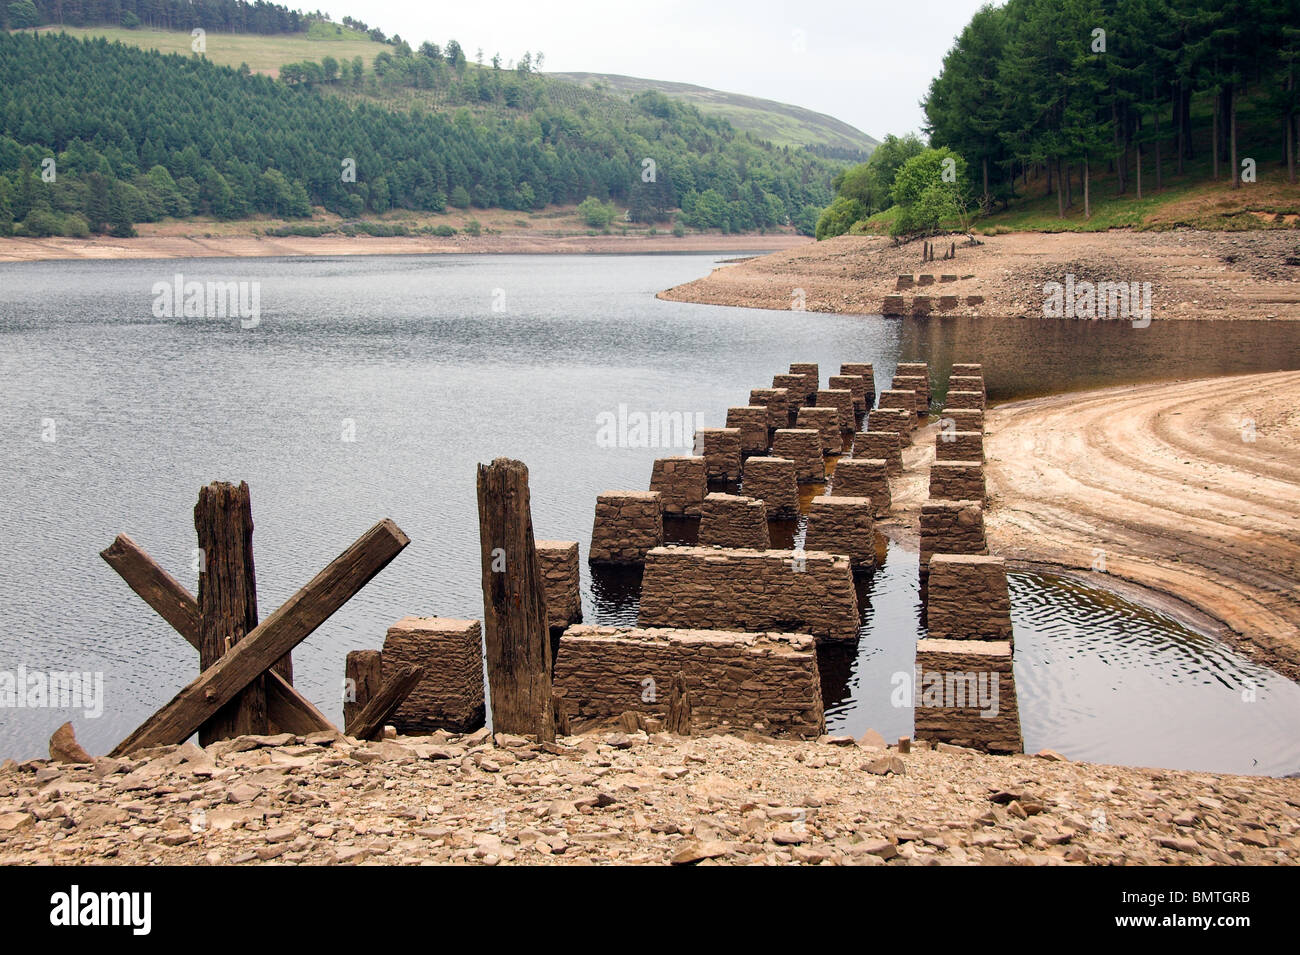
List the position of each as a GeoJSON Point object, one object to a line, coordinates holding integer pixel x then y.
{"type": "Point", "coordinates": [515, 630]}
{"type": "Point", "coordinates": [227, 599]}
{"type": "Point", "coordinates": [370, 721]}
{"type": "Point", "coordinates": [277, 635]}
{"type": "Point", "coordinates": [289, 710]}
{"type": "Point", "coordinates": [679, 707]}
{"type": "Point", "coordinates": [365, 673]}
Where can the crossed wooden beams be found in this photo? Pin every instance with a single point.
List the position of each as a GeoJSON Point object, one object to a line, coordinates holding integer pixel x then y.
{"type": "Point", "coordinates": [259, 656]}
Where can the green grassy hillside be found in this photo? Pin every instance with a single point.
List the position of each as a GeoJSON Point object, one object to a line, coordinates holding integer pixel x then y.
{"type": "Point", "coordinates": [779, 123]}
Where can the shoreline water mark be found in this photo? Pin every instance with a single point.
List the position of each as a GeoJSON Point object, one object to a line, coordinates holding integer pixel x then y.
{"type": "Point", "coordinates": [652, 429]}
{"type": "Point", "coordinates": [193, 299]}
{"type": "Point", "coordinates": [52, 690]}
{"type": "Point", "coordinates": [1074, 299]}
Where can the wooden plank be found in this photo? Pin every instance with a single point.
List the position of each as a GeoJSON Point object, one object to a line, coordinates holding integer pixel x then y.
{"type": "Point", "coordinates": [370, 721]}
{"type": "Point", "coordinates": [223, 520]}
{"type": "Point", "coordinates": [365, 669]}
{"type": "Point", "coordinates": [289, 710]}
{"type": "Point", "coordinates": [515, 631]}
{"type": "Point", "coordinates": [159, 589]}
{"type": "Point", "coordinates": [273, 638]}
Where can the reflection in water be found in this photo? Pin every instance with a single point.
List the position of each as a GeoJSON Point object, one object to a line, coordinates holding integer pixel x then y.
{"type": "Point", "coordinates": [616, 593]}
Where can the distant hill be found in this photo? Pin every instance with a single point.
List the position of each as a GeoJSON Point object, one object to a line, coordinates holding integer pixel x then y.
{"type": "Point", "coordinates": [779, 123]}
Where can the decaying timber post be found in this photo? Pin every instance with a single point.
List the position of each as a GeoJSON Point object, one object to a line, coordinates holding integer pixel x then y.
{"type": "Point", "coordinates": [365, 677]}
{"type": "Point", "coordinates": [223, 519]}
{"type": "Point", "coordinates": [515, 628]}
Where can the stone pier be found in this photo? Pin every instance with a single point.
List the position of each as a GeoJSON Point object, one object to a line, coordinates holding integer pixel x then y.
{"type": "Point", "coordinates": [803, 446]}
{"type": "Point", "coordinates": [856, 385]}
{"type": "Point", "coordinates": [919, 386]}
{"type": "Point", "coordinates": [863, 477]}
{"type": "Point", "coordinates": [773, 481]}
{"type": "Point", "coordinates": [957, 481]}
{"type": "Point", "coordinates": [900, 399]}
{"type": "Point", "coordinates": [965, 695]}
{"type": "Point", "coordinates": [951, 527]}
{"type": "Point", "coordinates": [919, 369]}
{"type": "Point", "coordinates": [966, 419]}
{"type": "Point", "coordinates": [959, 446]}
{"type": "Point", "coordinates": [811, 376]}
{"type": "Point", "coordinates": [964, 399]}
{"type": "Point", "coordinates": [681, 482]}
{"type": "Point", "coordinates": [966, 383]}
{"type": "Point", "coordinates": [777, 403]}
{"type": "Point", "coordinates": [720, 448]}
{"type": "Point", "coordinates": [741, 681]}
{"type": "Point", "coordinates": [899, 420]}
{"type": "Point", "coordinates": [450, 694]}
{"type": "Point", "coordinates": [793, 385]}
{"type": "Point", "coordinates": [729, 520]}
{"type": "Point", "coordinates": [960, 370]}
{"type": "Point", "coordinates": [840, 399]}
{"type": "Point", "coordinates": [884, 445]}
{"type": "Point", "coordinates": [628, 524]}
{"type": "Point", "coordinates": [751, 422]}
{"type": "Point", "coordinates": [863, 370]}
{"type": "Point", "coordinates": [750, 590]}
{"type": "Point", "coordinates": [843, 525]}
{"type": "Point", "coordinates": [826, 422]}
{"type": "Point", "coordinates": [561, 582]}
{"type": "Point", "coordinates": [968, 599]}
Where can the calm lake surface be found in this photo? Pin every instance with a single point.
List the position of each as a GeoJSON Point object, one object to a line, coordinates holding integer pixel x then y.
{"type": "Point", "coordinates": [371, 388]}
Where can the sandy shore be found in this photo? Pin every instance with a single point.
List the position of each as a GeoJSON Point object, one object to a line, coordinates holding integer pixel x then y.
{"type": "Point", "coordinates": [1188, 489]}
{"type": "Point", "coordinates": [1193, 274]}
{"type": "Point", "coordinates": [224, 246]}
{"type": "Point", "coordinates": [615, 798]}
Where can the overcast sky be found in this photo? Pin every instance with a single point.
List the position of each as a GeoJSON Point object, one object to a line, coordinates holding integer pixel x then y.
{"type": "Point", "coordinates": [867, 63]}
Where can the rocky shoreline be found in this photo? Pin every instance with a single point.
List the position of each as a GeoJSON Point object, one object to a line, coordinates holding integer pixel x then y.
{"type": "Point", "coordinates": [618, 798]}
{"type": "Point", "coordinates": [1193, 274]}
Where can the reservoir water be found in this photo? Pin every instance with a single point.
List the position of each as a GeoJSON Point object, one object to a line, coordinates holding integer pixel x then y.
{"type": "Point", "coordinates": [372, 386]}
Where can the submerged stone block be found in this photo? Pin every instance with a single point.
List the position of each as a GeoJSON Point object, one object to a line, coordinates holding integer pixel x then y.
{"type": "Point", "coordinates": [964, 399]}
{"type": "Point", "coordinates": [863, 477]}
{"type": "Point", "coordinates": [965, 694]}
{"type": "Point", "coordinates": [738, 680]}
{"type": "Point", "coordinates": [773, 481]}
{"type": "Point", "coordinates": [450, 694]}
{"type": "Point", "coordinates": [681, 482]}
{"type": "Point", "coordinates": [811, 376]}
{"type": "Point", "coordinates": [951, 527]}
{"type": "Point", "coordinates": [794, 386]}
{"type": "Point", "coordinates": [856, 385]}
{"type": "Point", "coordinates": [751, 422]}
{"type": "Point", "coordinates": [967, 369]}
{"type": "Point", "coordinates": [561, 581]}
{"type": "Point", "coordinates": [886, 446]}
{"type": "Point", "coordinates": [892, 419]}
{"type": "Point", "coordinates": [917, 384]}
{"type": "Point", "coordinates": [777, 403]}
{"type": "Point", "coordinates": [826, 422]}
{"type": "Point", "coordinates": [803, 446]}
{"type": "Point", "coordinates": [750, 590]}
{"type": "Point", "coordinates": [840, 399]}
{"type": "Point", "coordinates": [863, 369]}
{"type": "Point", "coordinates": [628, 524]}
{"type": "Point", "coordinates": [843, 525]}
{"type": "Point", "coordinates": [967, 598]}
{"type": "Point", "coordinates": [729, 520]}
{"type": "Point", "coordinates": [720, 448]}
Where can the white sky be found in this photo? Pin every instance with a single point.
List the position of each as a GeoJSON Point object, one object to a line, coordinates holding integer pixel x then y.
{"type": "Point", "coordinates": [867, 63]}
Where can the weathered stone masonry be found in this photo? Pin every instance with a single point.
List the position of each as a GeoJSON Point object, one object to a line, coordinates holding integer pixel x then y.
{"type": "Point", "coordinates": [843, 525]}
{"type": "Point", "coordinates": [773, 481]}
{"type": "Point", "coordinates": [450, 694]}
{"type": "Point", "coordinates": [886, 446]}
{"type": "Point", "coordinates": [681, 482]}
{"type": "Point", "coordinates": [951, 671]}
{"type": "Point", "coordinates": [720, 448]}
{"type": "Point", "coordinates": [729, 520]}
{"type": "Point", "coordinates": [751, 422]}
{"type": "Point", "coordinates": [959, 446]}
{"type": "Point", "coordinates": [803, 446]}
{"type": "Point", "coordinates": [868, 374]}
{"type": "Point", "coordinates": [863, 477]}
{"type": "Point", "coordinates": [842, 400]}
{"type": "Point", "coordinates": [957, 480]}
{"type": "Point", "coordinates": [628, 524]}
{"type": "Point", "coordinates": [951, 527]}
{"type": "Point", "coordinates": [750, 590]}
{"type": "Point", "coordinates": [735, 679]}
{"type": "Point", "coordinates": [561, 581]}
{"type": "Point", "coordinates": [826, 422]}
{"type": "Point", "coordinates": [856, 385]}
{"type": "Point", "coordinates": [967, 598]}
{"type": "Point", "coordinates": [777, 403]}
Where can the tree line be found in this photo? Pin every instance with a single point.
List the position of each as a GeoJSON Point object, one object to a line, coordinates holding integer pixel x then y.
{"type": "Point", "coordinates": [1060, 85]}
{"type": "Point", "coordinates": [226, 16]}
{"type": "Point", "coordinates": [96, 136]}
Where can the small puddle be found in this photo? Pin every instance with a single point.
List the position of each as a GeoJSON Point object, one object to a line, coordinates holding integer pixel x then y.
{"type": "Point", "coordinates": [1098, 677]}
